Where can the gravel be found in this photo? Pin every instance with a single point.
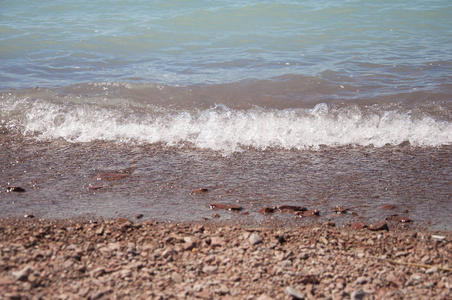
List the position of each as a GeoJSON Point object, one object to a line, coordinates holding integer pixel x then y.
{"type": "Point", "coordinates": [119, 259]}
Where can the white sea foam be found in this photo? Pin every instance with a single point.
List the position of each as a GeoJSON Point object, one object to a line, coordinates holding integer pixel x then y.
{"type": "Point", "coordinates": [228, 130]}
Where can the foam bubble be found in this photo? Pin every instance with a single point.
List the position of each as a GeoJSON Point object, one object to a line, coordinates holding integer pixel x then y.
{"type": "Point", "coordinates": [226, 130]}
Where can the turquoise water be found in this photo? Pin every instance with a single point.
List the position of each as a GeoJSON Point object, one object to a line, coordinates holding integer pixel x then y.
{"type": "Point", "coordinates": [59, 43]}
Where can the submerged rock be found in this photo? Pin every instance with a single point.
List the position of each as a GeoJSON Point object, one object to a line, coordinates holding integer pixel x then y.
{"type": "Point", "coordinates": [199, 191]}
{"type": "Point", "coordinates": [379, 226]}
{"type": "Point", "coordinates": [309, 213]}
{"type": "Point", "coordinates": [388, 206]}
{"type": "Point", "coordinates": [291, 208]}
{"type": "Point", "coordinates": [358, 226]}
{"type": "Point", "coordinates": [14, 189]}
{"type": "Point", "coordinates": [225, 206]}
{"type": "Point", "coordinates": [267, 210]}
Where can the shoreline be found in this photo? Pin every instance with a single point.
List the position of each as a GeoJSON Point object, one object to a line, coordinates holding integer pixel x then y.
{"type": "Point", "coordinates": [121, 259]}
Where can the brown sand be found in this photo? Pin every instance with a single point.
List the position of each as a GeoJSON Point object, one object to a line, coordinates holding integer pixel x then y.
{"type": "Point", "coordinates": [119, 259]}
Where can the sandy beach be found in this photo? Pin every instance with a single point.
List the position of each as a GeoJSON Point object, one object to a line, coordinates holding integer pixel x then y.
{"type": "Point", "coordinates": [135, 259]}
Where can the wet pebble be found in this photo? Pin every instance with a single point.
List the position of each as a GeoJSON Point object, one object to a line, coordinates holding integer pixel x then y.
{"type": "Point", "coordinates": [14, 189]}
{"type": "Point", "coordinates": [232, 207]}
{"type": "Point", "coordinates": [382, 225]}
{"type": "Point", "coordinates": [358, 226]}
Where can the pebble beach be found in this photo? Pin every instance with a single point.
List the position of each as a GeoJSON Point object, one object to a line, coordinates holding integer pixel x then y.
{"type": "Point", "coordinates": [136, 259]}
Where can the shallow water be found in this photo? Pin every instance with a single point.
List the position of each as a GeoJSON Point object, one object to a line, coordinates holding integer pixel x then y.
{"type": "Point", "coordinates": [157, 182]}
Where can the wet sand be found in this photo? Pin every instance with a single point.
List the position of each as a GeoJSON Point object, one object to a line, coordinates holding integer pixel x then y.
{"type": "Point", "coordinates": [64, 180]}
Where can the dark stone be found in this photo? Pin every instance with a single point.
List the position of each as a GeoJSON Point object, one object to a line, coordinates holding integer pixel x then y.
{"type": "Point", "coordinates": [199, 191]}
{"type": "Point", "coordinates": [340, 210]}
{"type": "Point", "coordinates": [96, 187]}
{"type": "Point", "coordinates": [310, 279]}
{"type": "Point", "coordinates": [267, 210]}
{"type": "Point", "coordinates": [358, 226]}
{"type": "Point", "coordinates": [309, 213]}
{"type": "Point", "coordinates": [291, 208]}
{"type": "Point", "coordinates": [379, 226]}
{"type": "Point", "coordinates": [225, 206]}
{"type": "Point", "coordinates": [281, 239]}
{"type": "Point", "coordinates": [405, 220]}
{"type": "Point", "coordinates": [330, 224]}
{"type": "Point", "coordinates": [14, 189]}
{"type": "Point", "coordinates": [388, 206]}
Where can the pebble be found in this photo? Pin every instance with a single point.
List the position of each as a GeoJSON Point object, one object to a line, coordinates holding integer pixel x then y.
{"type": "Point", "coordinates": [233, 207]}
{"type": "Point", "coordinates": [294, 293]}
{"type": "Point", "coordinates": [358, 226]}
{"type": "Point", "coordinates": [210, 269]}
{"type": "Point", "coordinates": [362, 280]}
{"type": "Point", "coordinates": [14, 189]}
{"type": "Point", "coordinates": [22, 275]}
{"type": "Point", "coordinates": [183, 260]}
{"type": "Point", "coordinates": [438, 237]}
{"type": "Point", "coordinates": [255, 239]}
{"type": "Point", "coordinates": [358, 294]}
{"type": "Point", "coordinates": [382, 225]}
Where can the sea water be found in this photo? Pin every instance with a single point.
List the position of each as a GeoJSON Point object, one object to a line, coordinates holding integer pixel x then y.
{"type": "Point", "coordinates": [230, 78]}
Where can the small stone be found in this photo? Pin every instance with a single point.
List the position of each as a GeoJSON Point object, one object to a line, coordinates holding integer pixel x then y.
{"type": "Point", "coordinates": [138, 216]}
{"type": "Point", "coordinates": [405, 220]}
{"type": "Point", "coordinates": [216, 241]}
{"type": "Point", "coordinates": [291, 208]}
{"type": "Point", "coordinates": [199, 191]}
{"type": "Point", "coordinates": [416, 277]}
{"type": "Point", "coordinates": [310, 279]}
{"type": "Point", "coordinates": [264, 297]}
{"type": "Point", "coordinates": [204, 294]}
{"type": "Point", "coordinates": [340, 210]}
{"type": "Point", "coordinates": [362, 280]}
{"type": "Point", "coordinates": [281, 239]}
{"type": "Point", "coordinates": [95, 187]}
{"type": "Point", "coordinates": [309, 213]}
{"type": "Point", "coordinates": [231, 207]}
{"type": "Point", "coordinates": [255, 239]}
{"type": "Point", "coordinates": [98, 272]}
{"type": "Point", "coordinates": [438, 237]}
{"type": "Point", "coordinates": [176, 277]}
{"type": "Point", "coordinates": [432, 270]}
{"type": "Point", "coordinates": [267, 210]}
{"type": "Point", "coordinates": [210, 269]}
{"type": "Point", "coordinates": [382, 225]}
{"type": "Point", "coordinates": [388, 206]}
{"type": "Point", "coordinates": [358, 226]}
{"type": "Point", "coordinates": [358, 294]}
{"type": "Point", "coordinates": [14, 189]}
{"type": "Point", "coordinates": [222, 290]}
{"type": "Point", "coordinates": [123, 222]}
{"type": "Point", "coordinates": [22, 275]}
{"type": "Point", "coordinates": [294, 293]}
{"type": "Point", "coordinates": [97, 295]}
